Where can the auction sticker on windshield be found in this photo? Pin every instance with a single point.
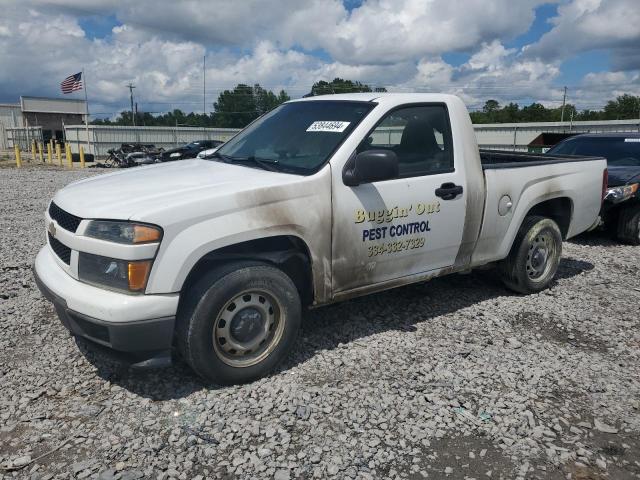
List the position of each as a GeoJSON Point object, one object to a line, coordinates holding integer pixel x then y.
{"type": "Point", "coordinates": [328, 126]}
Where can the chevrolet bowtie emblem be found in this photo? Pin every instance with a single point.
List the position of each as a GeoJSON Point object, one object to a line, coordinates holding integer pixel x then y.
{"type": "Point", "coordinates": [52, 229]}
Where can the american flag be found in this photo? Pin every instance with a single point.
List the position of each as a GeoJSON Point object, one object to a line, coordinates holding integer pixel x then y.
{"type": "Point", "coordinates": [72, 83]}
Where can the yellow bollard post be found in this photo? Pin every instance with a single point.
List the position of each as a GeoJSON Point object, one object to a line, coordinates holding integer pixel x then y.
{"type": "Point", "coordinates": [67, 149]}
{"type": "Point", "coordinates": [40, 148]}
{"type": "Point", "coordinates": [16, 148]}
{"type": "Point", "coordinates": [50, 153]}
{"type": "Point", "coordinates": [59, 154]}
{"type": "Point", "coordinates": [81, 157]}
{"type": "Point", "coordinates": [33, 150]}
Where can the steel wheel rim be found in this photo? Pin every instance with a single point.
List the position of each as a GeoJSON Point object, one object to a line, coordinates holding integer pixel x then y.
{"type": "Point", "coordinates": [239, 338]}
{"type": "Point", "coordinates": [541, 250]}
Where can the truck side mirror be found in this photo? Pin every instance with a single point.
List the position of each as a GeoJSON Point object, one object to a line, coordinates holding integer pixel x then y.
{"type": "Point", "coordinates": [370, 166]}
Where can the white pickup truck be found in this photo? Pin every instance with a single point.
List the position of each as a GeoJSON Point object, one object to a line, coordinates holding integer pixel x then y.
{"type": "Point", "coordinates": [320, 200]}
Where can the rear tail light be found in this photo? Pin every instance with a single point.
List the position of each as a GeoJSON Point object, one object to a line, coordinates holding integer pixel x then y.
{"type": "Point", "coordinates": [605, 182]}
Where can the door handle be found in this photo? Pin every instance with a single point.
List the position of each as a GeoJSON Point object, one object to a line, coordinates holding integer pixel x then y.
{"type": "Point", "coordinates": [449, 191]}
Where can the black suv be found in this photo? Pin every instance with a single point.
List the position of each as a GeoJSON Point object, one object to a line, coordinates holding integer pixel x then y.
{"type": "Point", "coordinates": [190, 150]}
{"type": "Point", "coordinates": [621, 207]}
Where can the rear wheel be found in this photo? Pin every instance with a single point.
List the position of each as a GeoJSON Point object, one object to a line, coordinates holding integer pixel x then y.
{"type": "Point", "coordinates": [629, 225]}
{"type": "Point", "coordinates": [238, 322]}
{"type": "Point", "coordinates": [534, 257]}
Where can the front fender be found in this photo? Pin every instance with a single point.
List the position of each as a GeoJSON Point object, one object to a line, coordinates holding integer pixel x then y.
{"type": "Point", "coordinates": [303, 211]}
{"type": "Point", "coordinates": [172, 266]}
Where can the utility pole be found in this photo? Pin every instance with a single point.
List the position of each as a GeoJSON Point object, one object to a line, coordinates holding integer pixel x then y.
{"type": "Point", "coordinates": [86, 116]}
{"type": "Point", "coordinates": [204, 84]}
{"type": "Point", "coordinates": [131, 87]}
{"type": "Point", "coordinates": [571, 122]}
{"type": "Point", "coordinates": [564, 101]}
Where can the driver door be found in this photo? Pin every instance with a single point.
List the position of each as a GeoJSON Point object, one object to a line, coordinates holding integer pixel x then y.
{"type": "Point", "coordinates": [399, 227]}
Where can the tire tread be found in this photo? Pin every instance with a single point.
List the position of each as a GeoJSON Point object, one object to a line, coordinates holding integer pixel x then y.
{"type": "Point", "coordinates": [628, 225]}
{"type": "Point", "coordinates": [185, 327]}
{"type": "Point", "coordinates": [511, 271]}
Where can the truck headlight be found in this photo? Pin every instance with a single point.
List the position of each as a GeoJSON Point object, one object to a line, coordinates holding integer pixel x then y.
{"type": "Point", "coordinates": [123, 232]}
{"type": "Point", "coordinates": [127, 275]}
{"type": "Point", "coordinates": [620, 194]}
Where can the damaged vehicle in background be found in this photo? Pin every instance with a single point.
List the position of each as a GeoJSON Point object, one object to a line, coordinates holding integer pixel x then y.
{"type": "Point", "coordinates": [131, 155]}
{"type": "Point", "coordinates": [621, 208]}
{"type": "Point", "coordinates": [190, 150]}
{"type": "Point", "coordinates": [209, 154]}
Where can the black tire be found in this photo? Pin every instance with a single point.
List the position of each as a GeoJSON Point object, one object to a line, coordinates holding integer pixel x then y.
{"type": "Point", "coordinates": [88, 157]}
{"type": "Point", "coordinates": [523, 270]}
{"type": "Point", "coordinates": [208, 300]}
{"type": "Point", "coordinates": [629, 225]}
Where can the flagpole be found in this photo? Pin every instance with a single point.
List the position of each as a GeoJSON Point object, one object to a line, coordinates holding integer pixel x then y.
{"type": "Point", "coordinates": [86, 117]}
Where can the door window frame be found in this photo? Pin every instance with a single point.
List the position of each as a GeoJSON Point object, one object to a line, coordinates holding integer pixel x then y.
{"type": "Point", "coordinates": [349, 163]}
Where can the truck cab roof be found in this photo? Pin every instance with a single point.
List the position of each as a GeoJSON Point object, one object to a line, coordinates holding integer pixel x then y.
{"type": "Point", "coordinates": [378, 97]}
{"type": "Point", "coordinates": [610, 134]}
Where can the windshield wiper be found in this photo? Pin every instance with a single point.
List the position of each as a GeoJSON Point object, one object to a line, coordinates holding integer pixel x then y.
{"type": "Point", "coordinates": [264, 163]}
{"type": "Point", "coordinates": [216, 154]}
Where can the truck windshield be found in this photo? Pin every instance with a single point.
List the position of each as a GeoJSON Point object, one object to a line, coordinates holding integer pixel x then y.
{"type": "Point", "coordinates": [296, 137]}
{"type": "Point", "coordinates": [619, 151]}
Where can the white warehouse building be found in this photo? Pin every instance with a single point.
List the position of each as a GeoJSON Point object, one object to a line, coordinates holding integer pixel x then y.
{"type": "Point", "coordinates": [38, 118]}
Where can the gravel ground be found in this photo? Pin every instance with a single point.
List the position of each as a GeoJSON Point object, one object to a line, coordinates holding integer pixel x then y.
{"type": "Point", "coordinates": [456, 378]}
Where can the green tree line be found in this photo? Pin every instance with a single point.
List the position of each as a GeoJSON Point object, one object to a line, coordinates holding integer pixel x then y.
{"type": "Point", "coordinates": [235, 108]}
{"type": "Point", "coordinates": [624, 107]}
{"type": "Point", "coordinates": [238, 107]}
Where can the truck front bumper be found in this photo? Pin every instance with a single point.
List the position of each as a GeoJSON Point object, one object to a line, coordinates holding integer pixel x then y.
{"type": "Point", "coordinates": [141, 325]}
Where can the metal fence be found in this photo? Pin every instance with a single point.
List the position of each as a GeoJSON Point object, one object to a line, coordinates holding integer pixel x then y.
{"type": "Point", "coordinates": [104, 137]}
{"type": "Point", "coordinates": [500, 136]}
{"type": "Point", "coordinates": [22, 136]}
{"type": "Point", "coordinates": [518, 136]}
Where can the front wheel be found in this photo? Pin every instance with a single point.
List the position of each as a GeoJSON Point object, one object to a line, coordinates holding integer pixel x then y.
{"type": "Point", "coordinates": [534, 257]}
{"type": "Point", "coordinates": [629, 225]}
{"type": "Point", "coordinates": [238, 322]}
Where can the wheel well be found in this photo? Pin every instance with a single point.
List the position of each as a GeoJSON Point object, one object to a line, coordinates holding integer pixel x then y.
{"type": "Point", "coordinates": [287, 252]}
{"type": "Point", "coordinates": [560, 210]}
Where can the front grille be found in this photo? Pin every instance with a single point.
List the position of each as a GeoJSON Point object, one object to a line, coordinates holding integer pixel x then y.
{"type": "Point", "coordinates": [60, 250]}
{"type": "Point", "coordinates": [64, 219]}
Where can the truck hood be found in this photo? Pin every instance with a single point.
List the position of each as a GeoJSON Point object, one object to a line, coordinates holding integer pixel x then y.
{"type": "Point", "coordinates": [619, 176]}
{"type": "Point", "coordinates": [141, 192]}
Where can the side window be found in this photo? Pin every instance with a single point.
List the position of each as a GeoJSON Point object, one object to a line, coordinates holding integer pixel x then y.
{"type": "Point", "coordinates": [420, 137]}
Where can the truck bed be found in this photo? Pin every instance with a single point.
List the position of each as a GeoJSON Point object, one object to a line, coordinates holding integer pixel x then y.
{"type": "Point", "coordinates": [528, 179]}
{"type": "Point", "coordinates": [492, 159]}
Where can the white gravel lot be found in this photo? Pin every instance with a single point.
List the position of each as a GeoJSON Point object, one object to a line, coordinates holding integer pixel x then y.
{"type": "Point", "coordinates": [456, 378]}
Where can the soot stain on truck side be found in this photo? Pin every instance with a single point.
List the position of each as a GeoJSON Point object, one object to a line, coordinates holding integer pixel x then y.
{"type": "Point", "coordinates": [279, 207]}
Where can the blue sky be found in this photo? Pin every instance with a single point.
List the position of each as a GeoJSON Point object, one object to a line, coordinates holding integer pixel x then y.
{"type": "Point", "coordinates": [520, 51]}
{"type": "Point", "coordinates": [98, 26]}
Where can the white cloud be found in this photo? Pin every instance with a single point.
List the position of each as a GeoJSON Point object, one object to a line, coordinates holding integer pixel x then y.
{"type": "Point", "coordinates": [584, 25]}
{"type": "Point", "coordinates": [400, 44]}
{"type": "Point", "coordinates": [598, 88]}
{"type": "Point", "coordinates": [389, 31]}
{"type": "Point", "coordinates": [492, 72]}
{"type": "Point", "coordinates": [241, 23]}
{"type": "Point", "coordinates": [377, 32]}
